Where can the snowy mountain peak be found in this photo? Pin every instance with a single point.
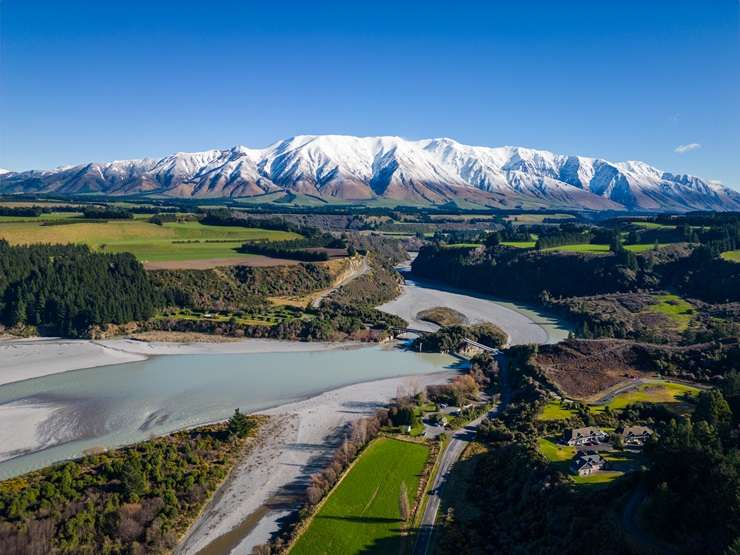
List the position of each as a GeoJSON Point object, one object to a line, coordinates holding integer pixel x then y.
{"type": "Point", "coordinates": [435, 170]}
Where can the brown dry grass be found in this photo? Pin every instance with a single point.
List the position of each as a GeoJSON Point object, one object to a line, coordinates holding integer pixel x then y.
{"type": "Point", "coordinates": [206, 264]}
{"type": "Point", "coordinates": [583, 369]}
{"type": "Point", "coordinates": [182, 337]}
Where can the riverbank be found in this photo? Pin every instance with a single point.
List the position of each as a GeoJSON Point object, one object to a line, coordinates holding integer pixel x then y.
{"type": "Point", "coordinates": [24, 359]}
{"type": "Point", "coordinates": [523, 325]}
{"type": "Point", "coordinates": [248, 508]}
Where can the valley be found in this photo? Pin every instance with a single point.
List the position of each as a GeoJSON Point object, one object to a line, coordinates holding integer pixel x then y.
{"type": "Point", "coordinates": [507, 344]}
{"type": "Point", "coordinates": [351, 278]}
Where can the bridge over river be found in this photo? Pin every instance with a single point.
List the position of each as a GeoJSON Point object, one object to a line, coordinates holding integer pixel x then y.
{"type": "Point", "coordinates": [493, 350]}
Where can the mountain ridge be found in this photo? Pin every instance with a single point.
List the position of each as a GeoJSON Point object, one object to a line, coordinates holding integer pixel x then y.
{"type": "Point", "coordinates": [349, 168]}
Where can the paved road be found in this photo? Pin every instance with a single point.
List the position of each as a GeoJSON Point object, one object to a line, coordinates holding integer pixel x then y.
{"type": "Point", "coordinates": [449, 457]}
{"type": "Point", "coordinates": [639, 538]}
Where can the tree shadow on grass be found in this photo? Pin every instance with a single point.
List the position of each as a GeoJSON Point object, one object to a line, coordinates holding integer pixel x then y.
{"type": "Point", "coordinates": [393, 545]}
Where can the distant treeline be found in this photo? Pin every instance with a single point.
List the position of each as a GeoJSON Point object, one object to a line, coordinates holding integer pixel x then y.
{"type": "Point", "coordinates": [68, 288]}
{"type": "Point", "coordinates": [226, 217]}
{"type": "Point", "coordinates": [296, 249]}
{"type": "Point", "coordinates": [698, 273]}
{"type": "Point", "coordinates": [23, 211]}
{"type": "Point", "coordinates": [560, 239]}
{"type": "Point", "coordinates": [107, 213]}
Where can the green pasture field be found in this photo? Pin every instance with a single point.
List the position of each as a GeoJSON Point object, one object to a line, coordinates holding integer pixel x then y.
{"type": "Point", "coordinates": [554, 411]}
{"type": "Point", "coordinates": [600, 249]}
{"type": "Point", "coordinates": [537, 218]}
{"type": "Point", "coordinates": [678, 310]}
{"type": "Point", "coordinates": [148, 242]}
{"type": "Point", "coordinates": [520, 244]}
{"type": "Point", "coordinates": [653, 225]}
{"type": "Point", "coordinates": [660, 391]}
{"type": "Point", "coordinates": [361, 514]}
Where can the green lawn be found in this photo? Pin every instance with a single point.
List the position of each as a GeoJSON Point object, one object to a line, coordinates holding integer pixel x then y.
{"type": "Point", "coordinates": [677, 309]}
{"type": "Point", "coordinates": [361, 514]}
{"type": "Point", "coordinates": [600, 478]}
{"type": "Point", "coordinates": [554, 452]}
{"type": "Point", "coordinates": [147, 241]}
{"type": "Point", "coordinates": [657, 392]}
{"type": "Point", "coordinates": [731, 256]}
{"type": "Point", "coordinates": [560, 457]}
{"type": "Point", "coordinates": [554, 411]}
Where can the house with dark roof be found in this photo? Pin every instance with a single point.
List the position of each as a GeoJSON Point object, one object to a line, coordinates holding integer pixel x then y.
{"type": "Point", "coordinates": [587, 462]}
{"type": "Point", "coordinates": [635, 435]}
{"type": "Point", "coordinates": [590, 435]}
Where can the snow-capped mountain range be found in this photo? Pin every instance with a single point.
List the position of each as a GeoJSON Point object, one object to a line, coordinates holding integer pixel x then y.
{"type": "Point", "coordinates": [360, 168]}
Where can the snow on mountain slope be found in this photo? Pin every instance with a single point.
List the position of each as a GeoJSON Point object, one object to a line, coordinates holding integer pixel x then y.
{"type": "Point", "coordinates": [358, 168]}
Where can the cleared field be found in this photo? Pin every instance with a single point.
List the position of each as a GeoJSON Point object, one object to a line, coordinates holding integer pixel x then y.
{"type": "Point", "coordinates": [653, 225]}
{"type": "Point", "coordinates": [553, 411]}
{"type": "Point", "coordinates": [589, 248]}
{"type": "Point", "coordinates": [520, 244]}
{"type": "Point", "coordinates": [655, 392]}
{"type": "Point", "coordinates": [147, 241]}
{"type": "Point", "coordinates": [538, 218]}
{"type": "Point", "coordinates": [732, 256]}
{"type": "Point", "coordinates": [361, 515]}
{"type": "Point", "coordinates": [678, 310]}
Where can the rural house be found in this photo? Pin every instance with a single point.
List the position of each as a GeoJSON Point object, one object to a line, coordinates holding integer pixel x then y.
{"type": "Point", "coordinates": [590, 435]}
{"type": "Point", "coordinates": [587, 462]}
{"type": "Point", "coordinates": [635, 435]}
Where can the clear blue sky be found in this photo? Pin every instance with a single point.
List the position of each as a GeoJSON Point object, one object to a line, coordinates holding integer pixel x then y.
{"type": "Point", "coordinates": [622, 79]}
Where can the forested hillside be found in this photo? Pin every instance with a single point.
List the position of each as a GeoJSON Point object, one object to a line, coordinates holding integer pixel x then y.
{"type": "Point", "coordinates": [67, 288]}
{"type": "Point", "coordinates": [136, 500]}
{"type": "Point", "coordinates": [509, 272]}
